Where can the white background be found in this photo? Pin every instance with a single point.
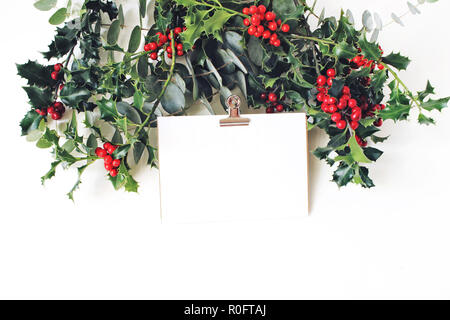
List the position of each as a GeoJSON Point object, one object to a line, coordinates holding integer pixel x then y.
{"type": "Point", "coordinates": [388, 242]}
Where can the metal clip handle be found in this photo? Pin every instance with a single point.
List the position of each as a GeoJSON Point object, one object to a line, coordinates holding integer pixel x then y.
{"type": "Point", "coordinates": [234, 103]}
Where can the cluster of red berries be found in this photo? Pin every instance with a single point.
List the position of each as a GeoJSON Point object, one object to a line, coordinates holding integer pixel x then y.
{"type": "Point", "coordinates": [273, 102]}
{"type": "Point", "coordinates": [105, 153]}
{"type": "Point", "coordinates": [57, 68]}
{"type": "Point", "coordinates": [260, 19]}
{"type": "Point", "coordinates": [56, 110]}
{"type": "Point", "coordinates": [360, 61]}
{"type": "Point", "coordinates": [164, 40]}
{"type": "Point", "coordinates": [345, 110]}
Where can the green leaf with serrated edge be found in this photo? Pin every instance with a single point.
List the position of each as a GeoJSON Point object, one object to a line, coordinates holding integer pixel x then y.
{"type": "Point", "coordinates": [372, 153]}
{"type": "Point", "coordinates": [128, 183]}
{"type": "Point", "coordinates": [194, 24]}
{"type": "Point", "coordinates": [344, 50]}
{"type": "Point", "coordinates": [378, 80]}
{"type": "Point", "coordinates": [108, 110]}
{"type": "Point", "coordinates": [58, 17]}
{"type": "Point", "coordinates": [397, 61]}
{"type": "Point", "coordinates": [51, 173]}
{"type": "Point", "coordinates": [113, 32]}
{"type": "Point", "coordinates": [365, 181]}
{"type": "Point", "coordinates": [322, 153]}
{"type": "Point", "coordinates": [425, 120]}
{"type": "Point", "coordinates": [45, 5]}
{"type": "Point", "coordinates": [343, 174]}
{"type": "Point", "coordinates": [214, 24]}
{"type": "Point", "coordinates": [395, 112]}
{"type": "Point", "coordinates": [39, 98]}
{"type": "Point", "coordinates": [78, 182]}
{"type": "Point", "coordinates": [364, 132]}
{"type": "Point", "coordinates": [338, 140]}
{"type": "Point", "coordinates": [422, 95]}
{"type": "Point", "coordinates": [367, 122]}
{"type": "Point", "coordinates": [71, 95]}
{"type": "Point", "coordinates": [356, 151]}
{"type": "Point", "coordinates": [30, 122]}
{"type": "Point", "coordinates": [122, 151]}
{"type": "Point", "coordinates": [377, 139]}
{"type": "Point", "coordinates": [439, 104]}
{"type": "Point", "coordinates": [370, 50]}
{"type": "Point", "coordinates": [36, 74]}
{"type": "Point", "coordinates": [135, 39]}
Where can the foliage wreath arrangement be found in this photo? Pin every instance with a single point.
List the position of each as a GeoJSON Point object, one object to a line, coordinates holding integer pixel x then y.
{"type": "Point", "coordinates": [197, 49]}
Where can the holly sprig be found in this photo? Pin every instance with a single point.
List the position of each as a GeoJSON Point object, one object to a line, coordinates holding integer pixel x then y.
{"type": "Point", "coordinates": [196, 50]}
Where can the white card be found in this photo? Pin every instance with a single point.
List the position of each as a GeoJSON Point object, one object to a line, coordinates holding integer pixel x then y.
{"type": "Point", "coordinates": [210, 173]}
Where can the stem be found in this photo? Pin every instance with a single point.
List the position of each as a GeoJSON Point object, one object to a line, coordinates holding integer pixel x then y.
{"type": "Point", "coordinates": [408, 92]}
{"type": "Point", "coordinates": [297, 36]}
{"type": "Point", "coordinates": [164, 88]}
{"type": "Point", "coordinates": [221, 8]}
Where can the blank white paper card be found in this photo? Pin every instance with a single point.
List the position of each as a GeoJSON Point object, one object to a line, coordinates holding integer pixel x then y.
{"type": "Point", "coordinates": [210, 173]}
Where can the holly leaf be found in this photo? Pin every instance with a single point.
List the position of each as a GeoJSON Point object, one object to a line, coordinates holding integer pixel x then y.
{"type": "Point", "coordinates": [39, 97]}
{"type": "Point", "coordinates": [378, 80]}
{"type": "Point", "coordinates": [370, 50]}
{"type": "Point", "coordinates": [397, 61]}
{"type": "Point", "coordinates": [343, 50]}
{"type": "Point", "coordinates": [338, 140]}
{"type": "Point", "coordinates": [72, 95]}
{"type": "Point", "coordinates": [343, 174]}
{"type": "Point", "coordinates": [362, 177]}
{"type": "Point", "coordinates": [439, 104]}
{"type": "Point", "coordinates": [372, 153]}
{"type": "Point", "coordinates": [322, 153]}
{"type": "Point", "coordinates": [108, 110]}
{"type": "Point", "coordinates": [36, 74]}
{"type": "Point", "coordinates": [214, 24]}
{"type": "Point", "coordinates": [77, 183]}
{"type": "Point", "coordinates": [356, 151]}
{"type": "Point", "coordinates": [428, 90]}
{"type": "Point", "coordinates": [51, 173]}
{"type": "Point", "coordinates": [425, 120]}
{"type": "Point", "coordinates": [377, 139]}
{"type": "Point", "coordinates": [195, 27]}
{"type": "Point", "coordinates": [30, 122]}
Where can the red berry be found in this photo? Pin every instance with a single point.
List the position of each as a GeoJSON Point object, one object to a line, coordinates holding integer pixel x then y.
{"type": "Point", "coordinates": [335, 117]}
{"type": "Point", "coordinates": [320, 97]}
{"type": "Point", "coordinates": [108, 166]}
{"type": "Point", "coordinates": [352, 103]}
{"type": "Point", "coordinates": [56, 116]}
{"type": "Point", "coordinates": [332, 108]}
{"type": "Point", "coordinates": [341, 124]}
{"type": "Point", "coordinates": [346, 90]}
{"type": "Point", "coordinates": [258, 34]}
{"type": "Point", "coordinates": [324, 107]}
{"type": "Point", "coordinates": [380, 67]}
{"type": "Point", "coordinates": [101, 153]}
{"type": "Point", "coordinates": [331, 73]}
{"type": "Point", "coordinates": [246, 22]}
{"type": "Point", "coordinates": [111, 149]}
{"type": "Point", "coordinates": [280, 108]}
{"type": "Point", "coordinates": [378, 123]}
{"type": "Point", "coordinates": [153, 56]}
{"type": "Point", "coordinates": [260, 29]}
{"type": "Point", "coordinates": [263, 96]}
{"type": "Point", "coordinates": [50, 110]}
{"type": "Point", "coordinates": [270, 16]}
{"type": "Point", "coordinates": [57, 67]}
{"type": "Point", "coordinates": [106, 145]}
{"type": "Point", "coordinates": [364, 143]}
{"type": "Point", "coordinates": [270, 110]}
{"type": "Point", "coordinates": [279, 22]}
{"type": "Point", "coordinates": [55, 75]}
{"type": "Point", "coordinates": [255, 20]}
{"type": "Point", "coordinates": [153, 46]}
{"type": "Point", "coordinates": [273, 97]}
{"type": "Point", "coordinates": [382, 106]}
{"type": "Point", "coordinates": [113, 172]}
{"type": "Point", "coordinates": [180, 47]}
{"type": "Point", "coordinates": [266, 34]}
{"type": "Point", "coordinates": [252, 30]}
{"type": "Point", "coordinates": [147, 47]}
{"type": "Point", "coordinates": [330, 82]}
{"type": "Point", "coordinates": [177, 30]}
{"type": "Point", "coordinates": [61, 86]}
{"type": "Point", "coordinates": [262, 9]}
{"type": "Point", "coordinates": [321, 80]}
{"type": "Point", "coordinates": [285, 28]}
{"type": "Point", "coordinates": [169, 49]}
{"type": "Point", "coordinates": [274, 37]}
{"type": "Point", "coordinates": [108, 159]}
{"type": "Point", "coordinates": [180, 53]}
{"type": "Point", "coordinates": [354, 125]}
{"type": "Point", "coordinates": [253, 9]}
{"type": "Point", "coordinates": [169, 55]}
{"type": "Point", "coordinates": [272, 26]}
{"type": "Point", "coordinates": [356, 116]}
{"type": "Point", "coordinates": [116, 163]}
{"type": "Point", "coordinates": [277, 43]}
{"type": "Point", "coordinates": [342, 104]}
{"type": "Point", "coordinates": [163, 39]}
{"type": "Point", "coordinates": [331, 100]}
{"type": "Point", "coordinates": [246, 11]}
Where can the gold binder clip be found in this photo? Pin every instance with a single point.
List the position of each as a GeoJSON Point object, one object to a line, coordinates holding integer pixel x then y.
{"type": "Point", "coordinates": [234, 119]}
